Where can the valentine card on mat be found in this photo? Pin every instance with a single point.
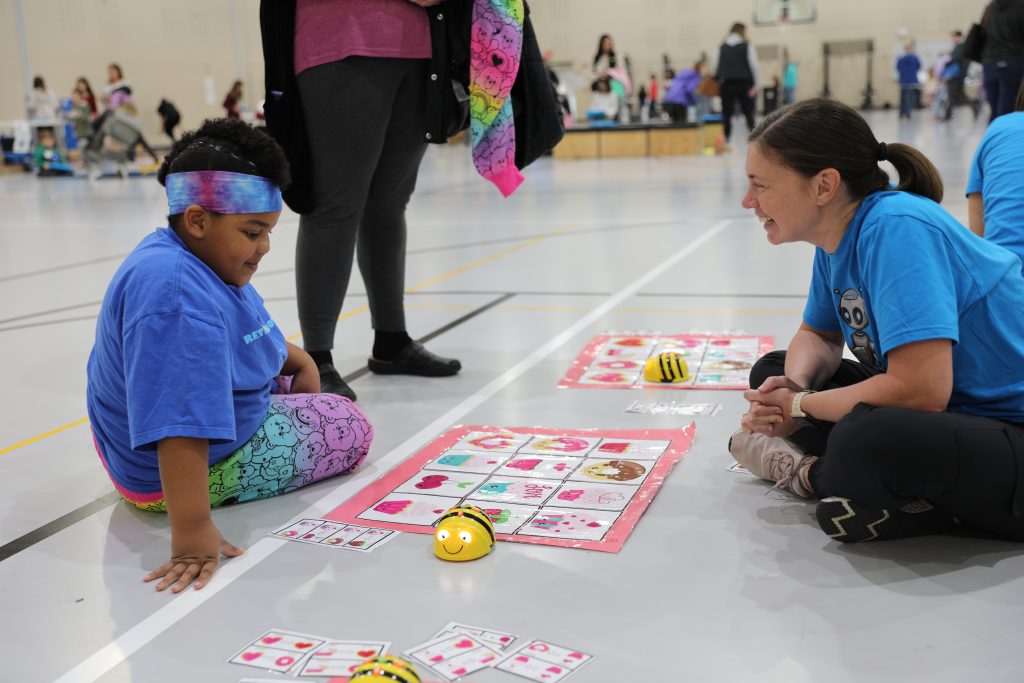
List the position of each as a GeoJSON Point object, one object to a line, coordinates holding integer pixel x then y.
{"type": "Point", "coordinates": [562, 487]}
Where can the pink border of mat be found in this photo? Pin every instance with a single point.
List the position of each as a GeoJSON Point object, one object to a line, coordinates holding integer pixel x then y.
{"type": "Point", "coordinates": [680, 442]}
{"type": "Point", "coordinates": [571, 380]}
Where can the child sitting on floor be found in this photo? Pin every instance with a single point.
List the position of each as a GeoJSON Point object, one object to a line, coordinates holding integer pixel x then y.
{"type": "Point", "coordinates": [196, 399]}
{"type": "Point", "coordinates": [46, 157]}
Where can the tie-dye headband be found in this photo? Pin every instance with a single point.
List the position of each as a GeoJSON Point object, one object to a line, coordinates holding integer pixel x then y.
{"type": "Point", "coordinates": [222, 192]}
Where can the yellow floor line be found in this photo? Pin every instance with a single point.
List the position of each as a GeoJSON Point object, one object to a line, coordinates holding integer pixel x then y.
{"type": "Point", "coordinates": [42, 436]}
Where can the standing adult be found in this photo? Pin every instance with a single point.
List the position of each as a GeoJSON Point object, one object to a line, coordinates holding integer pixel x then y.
{"type": "Point", "coordinates": [84, 91]}
{"type": "Point", "coordinates": [1002, 57]}
{"type": "Point", "coordinates": [790, 79]}
{"type": "Point", "coordinates": [907, 68]}
{"type": "Point", "coordinates": [737, 74]}
{"type": "Point", "coordinates": [955, 74]}
{"type": "Point", "coordinates": [604, 58]}
{"type": "Point", "coordinates": [361, 71]}
{"type": "Point", "coordinates": [233, 100]}
{"type": "Point", "coordinates": [117, 89]}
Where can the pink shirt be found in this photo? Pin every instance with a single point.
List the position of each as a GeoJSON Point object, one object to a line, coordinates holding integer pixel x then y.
{"type": "Point", "coordinates": [331, 30]}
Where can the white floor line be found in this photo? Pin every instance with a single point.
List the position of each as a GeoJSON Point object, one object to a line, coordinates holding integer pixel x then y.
{"type": "Point", "coordinates": [109, 656]}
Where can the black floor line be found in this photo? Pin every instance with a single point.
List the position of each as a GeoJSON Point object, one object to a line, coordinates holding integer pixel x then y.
{"type": "Point", "coordinates": [56, 526]}
{"type": "Point", "coordinates": [35, 536]}
{"type": "Point", "coordinates": [441, 330]}
{"type": "Point", "coordinates": [66, 266]}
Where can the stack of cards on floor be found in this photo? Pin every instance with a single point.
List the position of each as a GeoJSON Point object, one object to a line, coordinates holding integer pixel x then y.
{"type": "Point", "coordinates": [544, 662]}
{"type": "Point", "coordinates": [336, 535]}
{"type": "Point", "coordinates": [674, 408]}
{"type": "Point", "coordinates": [300, 654]}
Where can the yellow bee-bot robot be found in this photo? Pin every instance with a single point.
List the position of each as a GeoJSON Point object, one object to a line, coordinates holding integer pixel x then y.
{"type": "Point", "coordinates": [665, 368]}
{"type": "Point", "coordinates": [463, 533]}
{"type": "Point", "coordinates": [385, 669]}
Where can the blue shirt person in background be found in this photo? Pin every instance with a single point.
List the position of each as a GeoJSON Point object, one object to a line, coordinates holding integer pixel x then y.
{"type": "Point", "coordinates": [995, 186]}
{"type": "Point", "coordinates": [907, 67]}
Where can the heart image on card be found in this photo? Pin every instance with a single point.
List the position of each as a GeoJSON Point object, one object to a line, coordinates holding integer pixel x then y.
{"type": "Point", "coordinates": [539, 647]}
{"type": "Point", "coordinates": [521, 658]}
{"type": "Point", "coordinates": [461, 671]}
{"type": "Point", "coordinates": [436, 658]}
{"type": "Point", "coordinates": [366, 653]}
{"type": "Point", "coordinates": [554, 669]}
{"type": "Point", "coordinates": [285, 660]}
{"type": "Point", "coordinates": [303, 646]}
{"type": "Point", "coordinates": [270, 640]}
{"type": "Point", "coordinates": [464, 643]}
{"type": "Point", "coordinates": [250, 656]}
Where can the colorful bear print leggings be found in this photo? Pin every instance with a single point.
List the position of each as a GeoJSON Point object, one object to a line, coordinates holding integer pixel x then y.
{"type": "Point", "coordinates": [305, 438]}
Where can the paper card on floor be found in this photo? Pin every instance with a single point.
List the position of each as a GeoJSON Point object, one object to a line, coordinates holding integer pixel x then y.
{"type": "Point", "coordinates": [468, 461]}
{"type": "Point", "coordinates": [278, 650]}
{"type": "Point", "coordinates": [500, 639]}
{"type": "Point", "coordinates": [335, 534]}
{"type": "Point", "coordinates": [516, 490]}
{"type": "Point", "coordinates": [578, 494]}
{"type": "Point", "coordinates": [560, 445]}
{"type": "Point", "coordinates": [454, 656]}
{"type": "Point", "coordinates": [738, 468]}
{"type": "Point", "coordinates": [540, 466]}
{"type": "Point", "coordinates": [409, 508]}
{"type": "Point", "coordinates": [544, 662]}
{"type": "Point", "coordinates": [506, 517]}
{"type": "Point", "coordinates": [492, 442]}
{"type": "Point", "coordinates": [442, 483]}
{"type": "Point", "coordinates": [612, 470]}
{"type": "Point", "coordinates": [298, 528]}
{"type": "Point", "coordinates": [638, 449]}
{"type": "Point", "coordinates": [370, 540]}
{"type": "Point", "coordinates": [341, 657]}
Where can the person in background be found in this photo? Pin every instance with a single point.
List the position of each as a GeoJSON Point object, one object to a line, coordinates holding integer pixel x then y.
{"type": "Point", "coordinates": [604, 58]}
{"type": "Point", "coordinates": [233, 100]}
{"type": "Point", "coordinates": [84, 91]}
{"type": "Point", "coordinates": [737, 74]}
{"type": "Point", "coordinates": [682, 91]}
{"type": "Point", "coordinates": [907, 68]}
{"type": "Point", "coordinates": [117, 87]}
{"type": "Point", "coordinates": [41, 102]}
{"type": "Point", "coordinates": [790, 80]}
{"type": "Point", "coordinates": [47, 159]}
{"type": "Point", "coordinates": [81, 117]}
{"type": "Point", "coordinates": [995, 185]}
{"type": "Point", "coordinates": [1002, 56]}
{"type": "Point", "coordinates": [604, 104]}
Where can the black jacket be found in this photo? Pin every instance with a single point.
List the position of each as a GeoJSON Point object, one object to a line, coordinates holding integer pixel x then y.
{"type": "Point", "coordinates": [1004, 31]}
{"type": "Point", "coordinates": [538, 118]}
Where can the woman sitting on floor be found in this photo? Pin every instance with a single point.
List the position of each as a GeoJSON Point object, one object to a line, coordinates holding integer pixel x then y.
{"type": "Point", "coordinates": [924, 429]}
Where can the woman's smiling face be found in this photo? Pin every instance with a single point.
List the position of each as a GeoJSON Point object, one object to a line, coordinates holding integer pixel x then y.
{"type": "Point", "coordinates": [783, 200]}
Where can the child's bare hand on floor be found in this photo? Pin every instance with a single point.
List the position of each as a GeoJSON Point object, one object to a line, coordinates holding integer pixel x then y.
{"type": "Point", "coordinates": [195, 556]}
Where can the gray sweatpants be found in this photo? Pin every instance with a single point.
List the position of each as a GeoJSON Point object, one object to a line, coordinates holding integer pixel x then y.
{"type": "Point", "coordinates": [365, 120]}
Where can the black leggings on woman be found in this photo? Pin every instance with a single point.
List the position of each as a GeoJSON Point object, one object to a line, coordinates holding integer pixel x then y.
{"type": "Point", "coordinates": [365, 120]}
{"type": "Point", "coordinates": [969, 466]}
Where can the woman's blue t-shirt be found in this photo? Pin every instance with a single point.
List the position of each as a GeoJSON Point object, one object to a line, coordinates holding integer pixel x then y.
{"type": "Point", "coordinates": [178, 353]}
{"type": "Point", "coordinates": [907, 271]}
{"type": "Point", "coordinates": [997, 172]}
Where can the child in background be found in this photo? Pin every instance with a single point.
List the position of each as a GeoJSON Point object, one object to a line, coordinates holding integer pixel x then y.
{"type": "Point", "coordinates": [47, 159]}
{"type": "Point", "coordinates": [196, 399]}
{"type": "Point", "coordinates": [81, 117]}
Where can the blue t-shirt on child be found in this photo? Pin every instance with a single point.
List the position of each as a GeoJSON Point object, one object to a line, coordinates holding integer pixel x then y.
{"type": "Point", "coordinates": [906, 271]}
{"type": "Point", "coordinates": [997, 172]}
{"type": "Point", "coordinates": [178, 353]}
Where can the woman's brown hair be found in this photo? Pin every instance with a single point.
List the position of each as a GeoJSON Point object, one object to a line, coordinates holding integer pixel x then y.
{"type": "Point", "coordinates": [819, 133]}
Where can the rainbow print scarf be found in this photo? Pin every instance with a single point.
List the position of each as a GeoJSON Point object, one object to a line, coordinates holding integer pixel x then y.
{"type": "Point", "coordinates": [495, 50]}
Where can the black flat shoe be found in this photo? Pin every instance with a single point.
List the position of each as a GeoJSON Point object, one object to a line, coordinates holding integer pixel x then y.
{"type": "Point", "coordinates": [415, 360]}
{"type": "Point", "coordinates": [332, 383]}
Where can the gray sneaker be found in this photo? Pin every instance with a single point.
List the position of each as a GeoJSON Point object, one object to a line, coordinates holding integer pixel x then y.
{"type": "Point", "coordinates": [772, 458]}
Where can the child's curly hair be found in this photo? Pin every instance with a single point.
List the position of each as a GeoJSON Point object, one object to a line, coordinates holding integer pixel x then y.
{"type": "Point", "coordinates": [226, 145]}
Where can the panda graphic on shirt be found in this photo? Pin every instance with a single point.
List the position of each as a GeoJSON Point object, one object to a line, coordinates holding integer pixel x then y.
{"type": "Point", "coordinates": [854, 312]}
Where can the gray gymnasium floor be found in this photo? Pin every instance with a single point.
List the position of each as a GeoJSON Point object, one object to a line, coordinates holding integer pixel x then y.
{"type": "Point", "coordinates": [717, 583]}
